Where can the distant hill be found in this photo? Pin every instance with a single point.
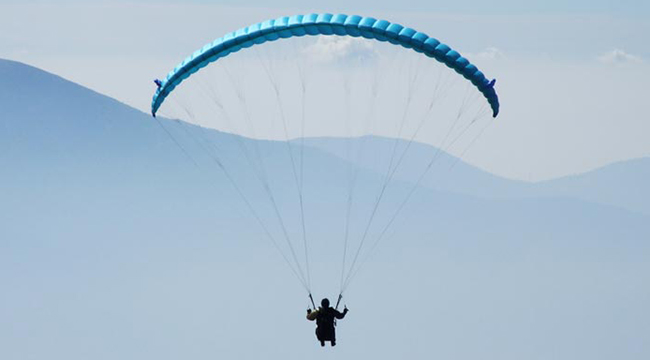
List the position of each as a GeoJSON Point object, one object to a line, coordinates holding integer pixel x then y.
{"type": "Point", "coordinates": [448, 173]}
{"type": "Point", "coordinates": [72, 144]}
{"type": "Point", "coordinates": [623, 184]}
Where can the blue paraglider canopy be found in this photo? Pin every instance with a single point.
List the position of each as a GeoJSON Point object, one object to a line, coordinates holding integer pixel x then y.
{"type": "Point", "coordinates": [325, 24]}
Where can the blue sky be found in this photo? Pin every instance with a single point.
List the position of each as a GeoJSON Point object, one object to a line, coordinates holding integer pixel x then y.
{"type": "Point", "coordinates": [571, 74]}
{"type": "Point", "coordinates": [622, 7]}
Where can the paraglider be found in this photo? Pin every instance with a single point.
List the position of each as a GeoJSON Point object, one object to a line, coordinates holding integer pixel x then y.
{"type": "Point", "coordinates": [325, 25]}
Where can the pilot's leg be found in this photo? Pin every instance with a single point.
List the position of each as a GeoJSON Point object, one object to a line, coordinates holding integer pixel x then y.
{"type": "Point", "coordinates": [319, 336]}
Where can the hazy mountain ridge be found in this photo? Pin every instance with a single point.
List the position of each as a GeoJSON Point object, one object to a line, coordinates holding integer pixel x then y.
{"type": "Point", "coordinates": [29, 93]}
{"type": "Point", "coordinates": [72, 138]}
{"type": "Point", "coordinates": [622, 184]}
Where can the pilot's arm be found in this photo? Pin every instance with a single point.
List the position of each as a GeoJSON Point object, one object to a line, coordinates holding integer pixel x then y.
{"type": "Point", "coordinates": [311, 315]}
{"type": "Point", "coordinates": [340, 315]}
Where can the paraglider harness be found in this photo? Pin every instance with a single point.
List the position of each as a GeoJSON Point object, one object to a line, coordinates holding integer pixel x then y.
{"type": "Point", "coordinates": [320, 316]}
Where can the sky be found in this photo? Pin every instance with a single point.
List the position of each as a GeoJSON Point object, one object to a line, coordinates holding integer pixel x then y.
{"type": "Point", "coordinates": [571, 75]}
{"type": "Point", "coordinates": [107, 255]}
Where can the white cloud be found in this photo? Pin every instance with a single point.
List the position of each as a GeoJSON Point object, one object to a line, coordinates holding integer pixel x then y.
{"type": "Point", "coordinates": [490, 53]}
{"type": "Point", "coordinates": [618, 56]}
{"type": "Point", "coordinates": [336, 49]}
